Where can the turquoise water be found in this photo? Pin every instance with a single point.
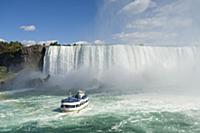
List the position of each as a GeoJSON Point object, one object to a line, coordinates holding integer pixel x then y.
{"type": "Point", "coordinates": [30, 111]}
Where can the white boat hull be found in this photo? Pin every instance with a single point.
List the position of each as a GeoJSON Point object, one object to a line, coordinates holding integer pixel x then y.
{"type": "Point", "coordinates": [75, 109]}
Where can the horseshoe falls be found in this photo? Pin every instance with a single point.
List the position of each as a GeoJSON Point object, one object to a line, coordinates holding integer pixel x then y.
{"type": "Point", "coordinates": [139, 89]}
{"type": "Point", "coordinates": [63, 59]}
{"type": "Point", "coordinates": [125, 66]}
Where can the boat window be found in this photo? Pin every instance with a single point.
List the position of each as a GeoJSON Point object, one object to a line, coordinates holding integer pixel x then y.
{"type": "Point", "coordinates": [77, 96]}
{"type": "Point", "coordinates": [85, 96]}
{"type": "Point", "coordinates": [84, 102]}
{"type": "Point", "coordinates": [70, 106]}
{"type": "Point", "coordinates": [78, 105]}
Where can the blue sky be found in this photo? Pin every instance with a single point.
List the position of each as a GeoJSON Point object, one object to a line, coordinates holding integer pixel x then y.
{"type": "Point", "coordinates": [63, 20]}
{"type": "Point", "coordinates": [153, 22]}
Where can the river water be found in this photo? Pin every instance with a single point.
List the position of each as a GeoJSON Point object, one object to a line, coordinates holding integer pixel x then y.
{"type": "Point", "coordinates": [36, 111]}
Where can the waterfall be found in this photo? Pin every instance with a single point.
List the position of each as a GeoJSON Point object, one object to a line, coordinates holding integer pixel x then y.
{"type": "Point", "coordinates": [63, 59]}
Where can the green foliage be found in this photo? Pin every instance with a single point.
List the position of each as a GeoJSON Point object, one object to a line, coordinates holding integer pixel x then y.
{"type": "Point", "coordinates": [3, 69]}
{"type": "Point", "coordinates": [10, 47]}
{"type": "Point", "coordinates": [3, 72]}
{"type": "Point", "coordinates": [55, 44]}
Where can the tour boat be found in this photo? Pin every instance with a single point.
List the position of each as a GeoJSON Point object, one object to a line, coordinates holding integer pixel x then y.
{"type": "Point", "coordinates": [75, 103]}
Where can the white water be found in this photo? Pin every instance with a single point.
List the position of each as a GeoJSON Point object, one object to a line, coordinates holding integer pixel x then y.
{"type": "Point", "coordinates": [106, 112]}
{"type": "Point", "coordinates": [134, 59]}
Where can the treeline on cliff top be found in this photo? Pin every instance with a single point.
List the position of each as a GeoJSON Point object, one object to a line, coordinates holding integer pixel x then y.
{"type": "Point", "coordinates": [10, 47]}
{"type": "Point", "coordinates": [14, 56]}
{"type": "Point", "coordinates": [16, 46]}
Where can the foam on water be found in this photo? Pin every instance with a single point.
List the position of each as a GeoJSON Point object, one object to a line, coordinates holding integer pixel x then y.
{"type": "Point", "coordinates": [107, 113]}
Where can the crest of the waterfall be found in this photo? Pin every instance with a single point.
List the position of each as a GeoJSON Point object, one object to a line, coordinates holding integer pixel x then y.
{"type": "Point", "coordinates": [134, 59]}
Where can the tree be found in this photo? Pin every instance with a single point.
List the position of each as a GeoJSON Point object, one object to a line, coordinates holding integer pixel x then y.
{"type": "Point", "coordinates": [54, 44]}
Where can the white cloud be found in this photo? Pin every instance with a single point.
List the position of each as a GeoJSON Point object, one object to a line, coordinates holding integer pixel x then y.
{"type": "Point", "coordinates": [28, 27]}
{"type": "Point", "coordinates": [147, 23]}
{"type": "Point", "coordinates": [175, 8]}
{"type": "Point", "coordinates": [2, 40]}
{"type": "Point", "coordinates": [112, 0]}
{"type": "Point", "coordinates": [98, 42]}
{"type": "Point", "coordinates": [127, 21]}
{"type": "Point", "coordinates": [83, 42]}
{"type": "Point", "coordinates": [32, 42]}
{"type": "Point", "coordinates": [135, 7]}
{"type": "Point", "coordinates": [28, 42]}
{"type": "Point", "coordinates": [47, 42]}
{"type": "Point", "coordinates": [144, 37]}
{"type": "Point", "coordinates": [160, 22]}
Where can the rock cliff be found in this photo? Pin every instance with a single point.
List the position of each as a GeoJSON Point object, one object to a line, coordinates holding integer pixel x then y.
{"type": "Point", "coordinates": [27, 57]}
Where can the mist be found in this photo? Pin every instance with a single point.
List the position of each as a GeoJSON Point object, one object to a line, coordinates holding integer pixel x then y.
{"type": "Point", "coordinates": [155, 79]}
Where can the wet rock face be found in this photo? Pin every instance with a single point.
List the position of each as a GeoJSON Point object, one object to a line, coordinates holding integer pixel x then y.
{"type": "Point", "coordinates": [28, 57]}
{"type": "Point", "coordinates": [13, 62]}
{"type": "Point", "coordinates": [33, 57]}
